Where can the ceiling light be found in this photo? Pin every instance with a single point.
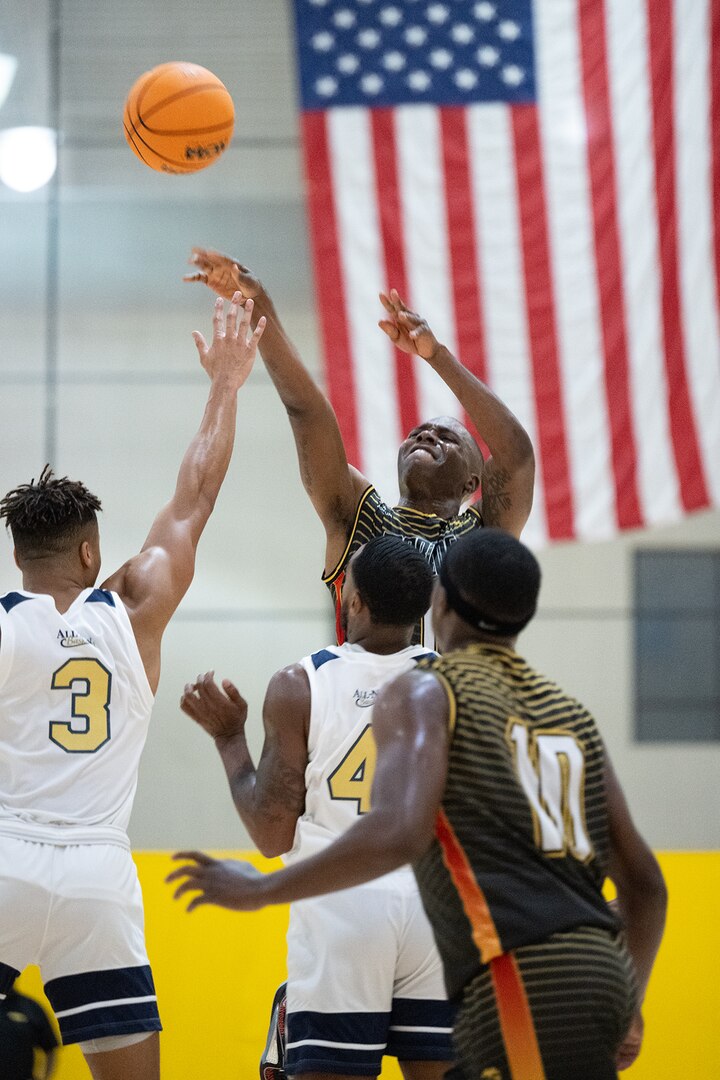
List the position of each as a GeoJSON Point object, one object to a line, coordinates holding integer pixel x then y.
{"type": "Point", "coordinates": [28, 157]}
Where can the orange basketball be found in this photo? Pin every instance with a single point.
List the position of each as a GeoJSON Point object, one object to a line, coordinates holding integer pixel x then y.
{"type": "Point", "coordinates": [178, 118]}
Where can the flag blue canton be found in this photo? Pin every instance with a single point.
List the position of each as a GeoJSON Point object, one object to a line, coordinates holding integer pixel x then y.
{"type": "Point", "coordinates": [380, 53]}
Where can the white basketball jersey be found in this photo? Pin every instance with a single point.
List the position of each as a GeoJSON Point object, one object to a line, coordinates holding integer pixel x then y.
{"type": "Point", "coordinates": [74, 712]}
{"type": "Point", "coordinates": [344, 682]}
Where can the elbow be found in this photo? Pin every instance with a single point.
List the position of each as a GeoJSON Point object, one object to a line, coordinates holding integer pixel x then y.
{"type": "Point", "coordinates": [405, 841]}
{"type": "Point", "coordinates": [273, 845]}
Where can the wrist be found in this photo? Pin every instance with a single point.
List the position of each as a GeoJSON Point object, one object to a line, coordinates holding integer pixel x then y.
{"type": "Point", "coordinates": [225, 739]}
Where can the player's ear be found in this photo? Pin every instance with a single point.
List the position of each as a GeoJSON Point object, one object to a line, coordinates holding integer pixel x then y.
{"type": "Point", "coordinates": [15, 557]}
{"type": "Point", "coordinates": [471, 485]}
{"type": "Point", "coordinates": [86, 553]}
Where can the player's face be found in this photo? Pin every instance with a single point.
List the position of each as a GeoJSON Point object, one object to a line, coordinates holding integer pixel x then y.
{"type": "Point", "coordinates": [438, 455]}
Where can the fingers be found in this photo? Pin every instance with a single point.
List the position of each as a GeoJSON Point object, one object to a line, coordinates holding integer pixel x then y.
{"type": "Point", "coordinates": [390, 329]}
{"type": "Point", "coordinates": [258, 333]}
{"type": "Point", "coordinates": [197, 856]}
{"type": "Point", "coordinates": [201, 344]}
{"type": "Point", "coordinates": [219, 318]}
{"type": "Point", "coordinates": [233, 693]}
{"type": "Point", "coordinates": [231, 319]}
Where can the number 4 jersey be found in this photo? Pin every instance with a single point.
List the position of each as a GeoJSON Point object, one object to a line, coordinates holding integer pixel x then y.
{"type": "Point", "coordinates": [522, 841]}
{"type": "Point", "coordinates": [74, 711]}
{"type": "Point", "coordinates": [344, 681]}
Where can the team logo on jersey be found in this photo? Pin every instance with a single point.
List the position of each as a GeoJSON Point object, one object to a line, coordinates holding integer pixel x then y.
{"type": "Point", "coordinates": [364, 698]}
{"type": "Point", "coordinates": [490, 1074]}
{"type": "Point", "coordinates": [69, 640]}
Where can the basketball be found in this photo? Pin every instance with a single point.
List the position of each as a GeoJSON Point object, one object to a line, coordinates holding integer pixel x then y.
{"type": "Point", "coordinates": [178, 118]}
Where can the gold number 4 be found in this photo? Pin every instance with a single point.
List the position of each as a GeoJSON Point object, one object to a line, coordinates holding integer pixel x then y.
{"type": "Point", "coordinates": [89, 683]}
{"type": "Point", "coordinates": [352, 779]}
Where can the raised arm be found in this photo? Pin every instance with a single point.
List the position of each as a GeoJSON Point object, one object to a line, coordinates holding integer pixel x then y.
{"type": "Point", "coordinates": [641, 899]}
{"type": "Point", "coordinates": [334, 487]}
{"type": "Point", "coordinates": [410, 724]}
{"type": "Point", "coordinates": [153, 582]}
{"type": "Point", "coordinates": [271, 798]}
{"type": "Point", "coordinates": [509, 473]}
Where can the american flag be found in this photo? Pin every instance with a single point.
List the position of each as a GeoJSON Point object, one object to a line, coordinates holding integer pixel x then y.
{"type": "Point", "coordinates": [541, 181]}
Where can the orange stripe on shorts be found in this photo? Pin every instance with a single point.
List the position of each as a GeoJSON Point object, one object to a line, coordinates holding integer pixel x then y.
{"type": "Point", "coordinates": [516, 1022]}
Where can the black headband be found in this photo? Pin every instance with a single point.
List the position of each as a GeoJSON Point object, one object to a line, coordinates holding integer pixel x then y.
{"type": "Point", "coordinates": [470, 613]}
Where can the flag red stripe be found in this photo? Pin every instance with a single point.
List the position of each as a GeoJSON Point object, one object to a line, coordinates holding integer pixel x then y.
{"type": "Point", "coordinates": [329, 286]}
{"type": "Point", "coordinates": [715, 132]}
{"type": "Point", "coordinates": [540, 305]}
{"type": "Point", "coordinates": [391, 219]}
{"type": "Point", "coordinates": [603, 186]}
{"type": "Point", "coordinates": [460, 210]}
{"type": "Point", "coordinates": [693, 490]}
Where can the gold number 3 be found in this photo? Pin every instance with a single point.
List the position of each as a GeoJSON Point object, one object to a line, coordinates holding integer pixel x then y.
{"type": "Point", "coordinates": [89, 683]}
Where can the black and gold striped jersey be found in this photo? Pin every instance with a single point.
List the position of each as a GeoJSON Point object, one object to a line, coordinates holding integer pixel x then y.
{"type": "Point", "coordinates": [429, 534]}
{"type": "Point", "coordinates": [521, 843]}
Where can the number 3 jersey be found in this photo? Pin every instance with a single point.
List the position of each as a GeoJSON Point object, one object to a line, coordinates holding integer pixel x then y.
{"type": "Point", "coordinates": [75, 706]}
{"type": "Point", "coordinates": [344, 682]}
{"type": "Point", "coordinates": [522, 842]}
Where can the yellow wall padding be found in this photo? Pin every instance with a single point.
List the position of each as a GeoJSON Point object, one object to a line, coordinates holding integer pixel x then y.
{"type": "Point", "coordinates": [216, 972]}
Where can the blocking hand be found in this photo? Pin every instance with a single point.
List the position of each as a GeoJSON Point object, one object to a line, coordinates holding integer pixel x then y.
{"type": "Point", "coordinates": [234, 343]}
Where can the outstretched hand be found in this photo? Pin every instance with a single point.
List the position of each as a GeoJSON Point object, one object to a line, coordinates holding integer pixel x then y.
{"type": "Point", "coordinates": [234, 344]}
{"type": "Point", "coordinates": [223, 274]}
{"type": "Point", "coordinates": [227, 883]}
{"type": "Point", "coordinates": [220, 712]}
{"type": "Point", "coordinates": [406, 330]}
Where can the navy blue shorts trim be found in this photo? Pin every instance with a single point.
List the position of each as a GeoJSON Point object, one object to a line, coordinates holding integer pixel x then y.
{"type": "Point", "coordinates": [354, 1043]}
{"type": "Point", "coordinates": [95, 1004]}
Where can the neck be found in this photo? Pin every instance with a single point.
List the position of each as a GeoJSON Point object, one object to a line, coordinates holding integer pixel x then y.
{"type": "Point", "coordinates": [461, 637]}
{"type": "Point", "coordinates": [382, 639]}
{"type": "Point", "coordinates": [61, 584]}
{"type": "Point", "coordinates": [440, 506]}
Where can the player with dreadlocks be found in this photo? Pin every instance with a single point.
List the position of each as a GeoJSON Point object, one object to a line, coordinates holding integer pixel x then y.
{"type": "Point", "coordinates": [79, 667]}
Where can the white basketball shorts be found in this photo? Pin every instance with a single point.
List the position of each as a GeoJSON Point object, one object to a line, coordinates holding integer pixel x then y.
{"type": "Point", "coordinates": [76, 911]}
{"type": "Point", "coordinates": [364, 980]}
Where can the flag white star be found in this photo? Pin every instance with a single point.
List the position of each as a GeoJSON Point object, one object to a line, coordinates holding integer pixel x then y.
{"type": "Point", "coordinates": [441, 58]}
{"type": "Point", "coordinates": [508, 30]}
{"type": "Point", "coordinates": [369, 38]}
{"type": "Point", "coordinates": [488, 55]}
{"type": "Point", "coordinates": [344, 18]}
{"type": "Point", "coordinates": [484, 11]}
{"type": "Point", "coordinates": [438, 13]}
{"type": "Point", "coordinates": [462, 33]}
{"type": "Point", "coordinates": [319, 3]}
{"type": "Point", "coordinates": [372, 83]}
{"type": "Point", "coordinates": [323, 41]}
{"type": "Point", "coordinates": [416, 35]}
{"type": "Point", "coordinates": [465, 79]}
{"type": "Point", "coordinates": [326, 86]}
{"type": "Point", "coordinates": [419, 80]}
{"type": "Point", "coordinates": [348, 64]}
{"type": "Point", "coordinates": [394, 61]}
{"type": "Point", "coordinates": [512, 75]}
{"type": "Point", "coordinates": [390, 16]}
